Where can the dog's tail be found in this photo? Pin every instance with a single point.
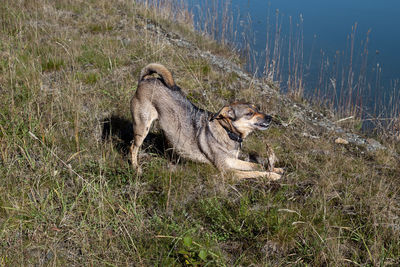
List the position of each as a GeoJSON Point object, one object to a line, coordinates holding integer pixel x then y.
{"type": "Point", "coordinates": [162, 71]}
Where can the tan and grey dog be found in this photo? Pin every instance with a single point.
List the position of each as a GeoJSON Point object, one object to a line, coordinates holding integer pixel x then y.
{"type": "Point", "coordinates": [195, 133]}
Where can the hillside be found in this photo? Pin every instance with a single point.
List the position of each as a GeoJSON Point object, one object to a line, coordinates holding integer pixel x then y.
{"type": "Point", "coordinates": [68, 195]}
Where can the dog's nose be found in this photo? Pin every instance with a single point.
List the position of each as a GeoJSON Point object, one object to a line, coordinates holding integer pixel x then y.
{"type": "Point", "coordinates": [268, 118]}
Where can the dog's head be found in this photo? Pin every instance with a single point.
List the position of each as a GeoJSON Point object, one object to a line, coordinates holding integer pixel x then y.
{"type": "Point", "coordinates": [243, 117]}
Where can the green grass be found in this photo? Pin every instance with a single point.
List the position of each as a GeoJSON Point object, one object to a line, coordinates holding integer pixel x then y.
{"type": "Point", "coordinates": [68, 196]}
{"type": "Point", "coordinates": [52, 65]}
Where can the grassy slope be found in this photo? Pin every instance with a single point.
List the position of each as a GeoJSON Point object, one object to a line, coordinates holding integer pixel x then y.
{"type": "Point", "coordinates": [67, 67]}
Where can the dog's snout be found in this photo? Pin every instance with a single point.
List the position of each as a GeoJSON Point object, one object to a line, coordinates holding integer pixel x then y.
{"type": "Point", "coordinates": [266, 119]}
{"type": "Point", "coordinates": [263, 121]}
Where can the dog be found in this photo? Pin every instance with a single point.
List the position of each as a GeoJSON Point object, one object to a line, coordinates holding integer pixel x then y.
{"type": "Point", "coordinates": [194, 133]}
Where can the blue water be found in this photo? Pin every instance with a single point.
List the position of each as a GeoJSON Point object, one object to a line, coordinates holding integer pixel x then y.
{"type": "Point", "coordinates": [325, 29]}
{"type": "Point", "coordinates": [332, 21]}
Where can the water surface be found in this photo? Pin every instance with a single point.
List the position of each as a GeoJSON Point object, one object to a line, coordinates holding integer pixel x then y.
{"type": "Point", "coordinates": [324, 28]}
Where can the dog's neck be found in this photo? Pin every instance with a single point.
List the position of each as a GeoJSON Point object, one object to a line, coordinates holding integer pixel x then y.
{"type": "Point", "coordinates": [231, 131]}
{"type": "Point", "coordinates": [233, 136]}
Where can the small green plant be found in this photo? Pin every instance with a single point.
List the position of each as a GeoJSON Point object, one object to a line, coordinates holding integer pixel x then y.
{"type": "Point", "coordinates": [191, 253]}
{"type": "Point", "coordinates": [99, 28]}
{"type": "Point", "coordinates": [206, 69]}
{"type": "Point", "coordinates": [52, 64]}
{"type": "Point", "coordinates": [88, 78]}
{"type": "Point", "coordinates": [93, 56]}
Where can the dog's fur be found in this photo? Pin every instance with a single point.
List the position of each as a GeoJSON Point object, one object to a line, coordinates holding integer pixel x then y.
{"type": "Point", "coordinates": [195, 133]}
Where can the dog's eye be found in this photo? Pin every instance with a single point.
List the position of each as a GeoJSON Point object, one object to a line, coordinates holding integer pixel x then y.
{"type": "Point", "coordinates": [250, 113]}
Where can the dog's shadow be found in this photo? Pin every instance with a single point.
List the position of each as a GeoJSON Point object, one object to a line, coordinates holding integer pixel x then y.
{"type": "Point", "coordinates": [119, 131]}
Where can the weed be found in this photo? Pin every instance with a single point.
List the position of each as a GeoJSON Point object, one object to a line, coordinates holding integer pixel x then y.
{"type": "Point", "coordinates": [52, 65]}
{"type": "Point", "coordinates": [88, 78]}
{"type": "Point", "coordinates": [92, 56]}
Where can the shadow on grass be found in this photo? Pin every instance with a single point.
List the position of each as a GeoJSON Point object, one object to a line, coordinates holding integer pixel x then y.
{"type": "Point", "coordinates": [120, 132]}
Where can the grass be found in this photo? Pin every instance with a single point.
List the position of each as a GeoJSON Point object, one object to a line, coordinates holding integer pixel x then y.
{"type": "Point", "coordinates": [68, 195]}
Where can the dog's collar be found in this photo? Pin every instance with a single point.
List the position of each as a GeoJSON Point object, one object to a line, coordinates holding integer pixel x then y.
{"type": "Point", "coordinates": [233, 136]}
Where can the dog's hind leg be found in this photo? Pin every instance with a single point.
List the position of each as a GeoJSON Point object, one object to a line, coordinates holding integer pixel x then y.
{"type": "Point", "coordinates": [143, 116]}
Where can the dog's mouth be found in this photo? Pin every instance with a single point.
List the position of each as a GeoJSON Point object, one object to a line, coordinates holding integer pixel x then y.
{"type": "Point", "coordinates": [262, 126]}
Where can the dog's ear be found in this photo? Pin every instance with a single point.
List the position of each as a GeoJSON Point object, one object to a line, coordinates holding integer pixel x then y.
{"type": "Point", "coordinates": [225, 112]}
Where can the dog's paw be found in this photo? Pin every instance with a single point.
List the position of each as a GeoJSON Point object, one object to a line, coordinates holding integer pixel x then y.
{"type": "Point", "coordinates": [274, 176]}
{"type": "Point", "coordinates": [278, 170]}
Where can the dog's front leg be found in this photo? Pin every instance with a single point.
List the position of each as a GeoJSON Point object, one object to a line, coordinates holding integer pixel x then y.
{"type": "Point", "coordinates": [256, 174]}
{"type": "Point", "coordinates": [245, 169]}
{"type": "Point", "coordinates": [237, 164]}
